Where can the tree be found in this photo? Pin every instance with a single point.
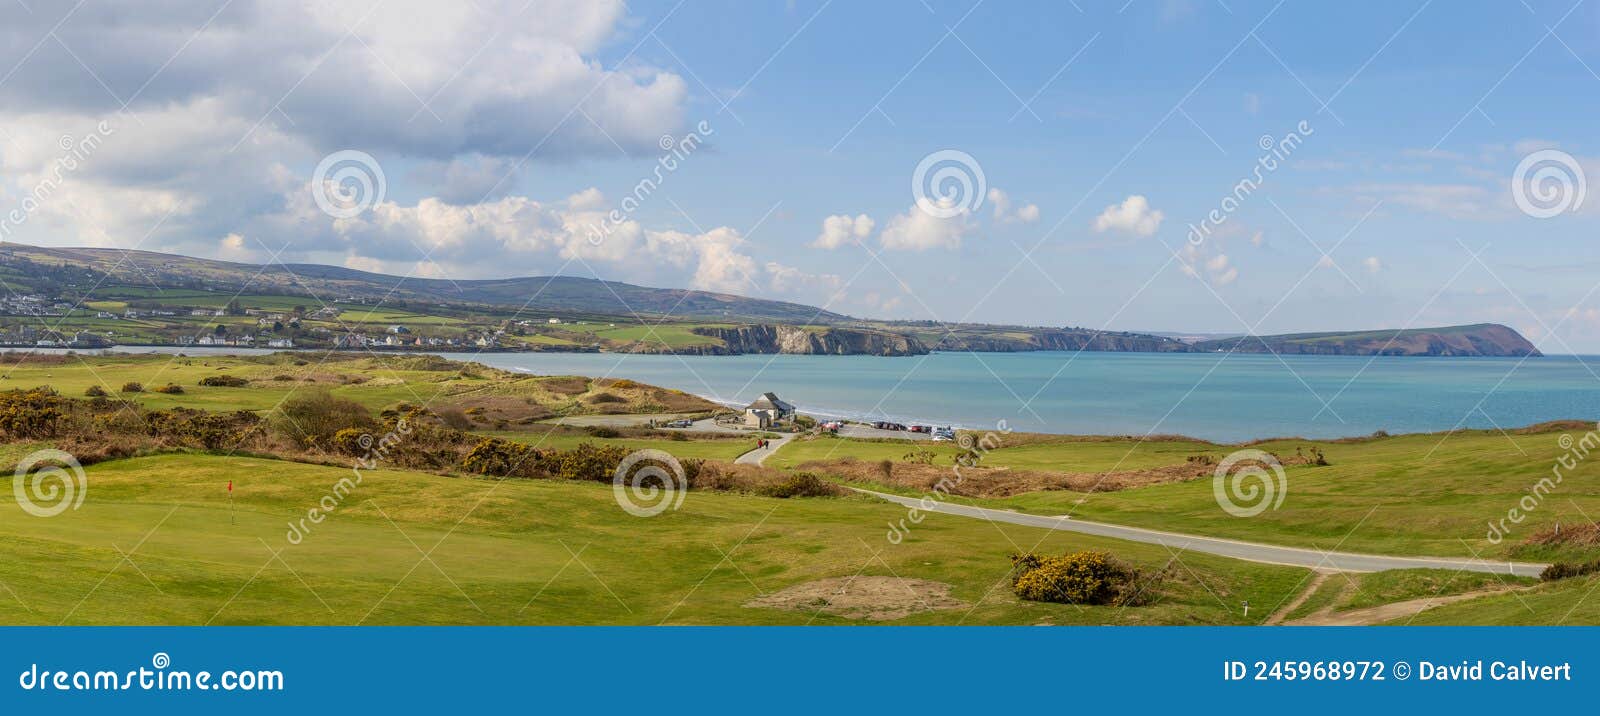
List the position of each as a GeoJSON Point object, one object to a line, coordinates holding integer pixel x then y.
{"type": "Point", "coordinates": [234, 308]}
{"type": "Point", "coordinates": [221, 329]}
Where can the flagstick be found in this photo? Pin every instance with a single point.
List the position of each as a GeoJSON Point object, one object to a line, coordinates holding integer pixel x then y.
{"type": "Point", "coordinates": [230, 504]}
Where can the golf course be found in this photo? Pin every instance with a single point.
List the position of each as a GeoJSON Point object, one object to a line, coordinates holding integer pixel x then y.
{"type": "Point", "coordinates": [235, 501]}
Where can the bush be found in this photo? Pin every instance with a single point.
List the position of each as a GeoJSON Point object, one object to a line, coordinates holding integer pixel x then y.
{"type": "Point", "coordinates": [588, 461]}
{"type": "Point", "coordinates": [225, 381]}
{"type": "Point", "coordinates": [95, 391]}
{"type": "Point", "coordinates": [211, 431]}
{"type": "Point", "coordinates": [1086, 577]}
{"type": "Point", "coordinates": [348, 441]}
{"type": "Point", "coordinates": [169, 389]}
{"type": "Point", "coordinates": [453, 417]}
{"type": "Point", "coordinates": [501, 458]}
{"type": "Point", "coordinates": [802, 484]}
{"type": "Point", "coordinates": [607, 398]}
{"type": "Point", "coordinates": [601, 431]}
{"type": "Point", "coordinates": [32, 413]}
{"type": "Point", "coordinates": [313, 418]}
{"type": "Point", "coordinates": [1564, 570]}
{"type": "Point", "coordinates": [133, 387]}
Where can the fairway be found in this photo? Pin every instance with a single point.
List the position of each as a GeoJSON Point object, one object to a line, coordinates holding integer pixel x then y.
{"type": "Point", "coordinates": [1426, 494]}
{"type": "Point", "coordinates": [521, 552]}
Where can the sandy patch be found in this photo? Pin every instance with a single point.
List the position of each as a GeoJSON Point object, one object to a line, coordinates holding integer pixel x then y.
{"type": "Point", "coordinates": [870, 598]}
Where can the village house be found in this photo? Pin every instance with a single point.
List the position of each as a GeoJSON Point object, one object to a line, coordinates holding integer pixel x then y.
{"type": "Point", "coordinates": [767, 411]}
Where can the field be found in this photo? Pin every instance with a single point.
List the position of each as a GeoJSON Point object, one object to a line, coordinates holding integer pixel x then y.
{"type": "Point", "coordinates": [1405, 495]}
{"type": "Point", "coordinates": [517, 552]}
{"type": "Point", "coordinates": [503, 544]}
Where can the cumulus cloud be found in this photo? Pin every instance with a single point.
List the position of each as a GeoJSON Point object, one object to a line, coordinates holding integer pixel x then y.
{"type": "Point", "coordinates": [1004, 211]}
{"type": "Point", "coordinates": [1372, 264]}
{"type": "Point", "coordinates": [421, 78]}
{"type": "Point", "coordinates": [919, 230]}
{"type": "Point", "coordinates": [223, 124]}
{"type": "Point", "coordinates": [841, 229]}
{"type": "Point", "coordinates": [1133, 216]}
{"type": "Point", "coordinates": [1206, 264]}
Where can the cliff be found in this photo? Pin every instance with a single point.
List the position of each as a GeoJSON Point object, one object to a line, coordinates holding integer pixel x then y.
{"type": "Point", "coordinates": [812, 341]}
{"type": "Point", "coordinates": [1058, 340]}
{"type": "Point", "coordinates": [1482, 339]}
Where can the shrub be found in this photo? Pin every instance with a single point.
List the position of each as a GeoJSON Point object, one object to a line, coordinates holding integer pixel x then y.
{"type": "Point", "coordinates": [501, 458]}
{"type": "Point", "coordinates": [802, 484]}
{"type": "Point", "coordinates": [601, 431]}
{"type": "Point", "coordinates": [95, 391]}
{"type": "Point", "coordinates": [226, 381]}
{"type": "Point", "coordinates": [588, 461]}
{"type": "Point", "coordinates": [1086, 577]}
{"type": "Point", "coordinates": [348, 441]}
{"type": "Point", "coordinates": [211, 431]}
{"type": "Point", "coordinates": [133, 387]}
{"type": "Point", "coordinates": [169, 389]}
{"type": "Point", "coordinates": [313, 418]}
{"type": "Point", "coordinates": [607, 398]}
{"type": "Point", "coordinates": [453, 417]}
{"type": "Point", "coordinates": [1564, 570]}
{"type": "Point", "coordinates": [32, 413]}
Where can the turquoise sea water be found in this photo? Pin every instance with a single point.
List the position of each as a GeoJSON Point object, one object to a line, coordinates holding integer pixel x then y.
{"type": "Point", "coordinates": [1212, 396]}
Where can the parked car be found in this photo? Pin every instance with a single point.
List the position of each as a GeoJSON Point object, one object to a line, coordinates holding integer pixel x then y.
{"type": "Point", "coordinates": [680, 423]}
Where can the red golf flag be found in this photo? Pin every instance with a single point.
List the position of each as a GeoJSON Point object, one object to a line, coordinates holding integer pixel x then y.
{"type": "Point", "coordinates": [230, 486]}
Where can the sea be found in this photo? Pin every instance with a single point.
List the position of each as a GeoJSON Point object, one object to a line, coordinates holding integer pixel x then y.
{"type": "Point", "coordinates": [1216, 396]}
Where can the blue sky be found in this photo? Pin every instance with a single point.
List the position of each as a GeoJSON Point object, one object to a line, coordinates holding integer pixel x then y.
{"type": "Point", "coordinates": [506, 131]}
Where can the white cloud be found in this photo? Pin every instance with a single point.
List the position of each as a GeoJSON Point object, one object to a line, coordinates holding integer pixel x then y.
{"type": "Point", "coordinates": [1133, 216]}
{"type": "Point", "coordinates": [841, 229]}
{"type": "Point", "coordinates": [1372, 264]}
{"type": "Point", "coordinates": [215, 142]}
{"type": "Point", "coordinates": [1205, 263]}
{"type": "Point", "coordinates": [918, 230]}
{"type": "Point", "coordinates": [1004, 212]}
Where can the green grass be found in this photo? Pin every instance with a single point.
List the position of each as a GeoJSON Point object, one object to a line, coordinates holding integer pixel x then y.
{"type": "Point", "coordinates": [1064, 455]}
{"type": "Point", "coordinates": [702, 449]}
{"type": "Point", "coordinates": [1402, 585]}
{"type": "Point", "coordinates": [516, 552]}
{"type": "Point", "coordinates": [1407, 495]}
{"type": "Point", "coordinates": [674, 335]}
{"type": "Point", "coordinates": [1327, 592]}
{"type": "Point", "coordinates": [1567, 602]}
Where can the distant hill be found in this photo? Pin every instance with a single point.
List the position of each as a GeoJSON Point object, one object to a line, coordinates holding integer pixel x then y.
{"type": "Point", "coordinates": [1481, 339]}
{"type": "Point", "coordinates": [547, 294]}
{"type": "Point", "coordinates": [717, 323]}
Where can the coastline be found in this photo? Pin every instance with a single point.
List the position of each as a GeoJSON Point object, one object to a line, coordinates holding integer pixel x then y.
{"type": "Point", "coordinates": [1243, 399]}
